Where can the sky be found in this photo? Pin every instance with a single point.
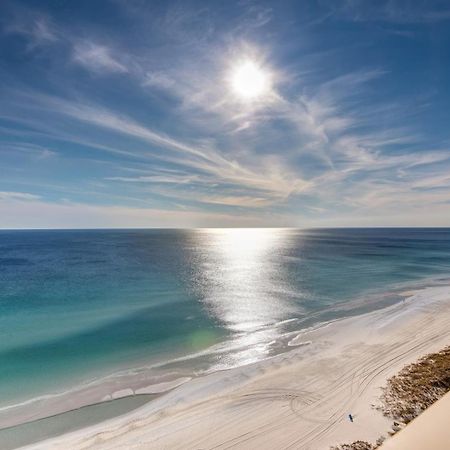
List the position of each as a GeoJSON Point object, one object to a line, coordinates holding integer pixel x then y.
{"type": "Point", "coordinates": [133, 113]}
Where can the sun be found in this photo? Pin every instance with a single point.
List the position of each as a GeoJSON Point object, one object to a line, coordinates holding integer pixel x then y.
{"type": "Point", "coordinates": [249, 81]}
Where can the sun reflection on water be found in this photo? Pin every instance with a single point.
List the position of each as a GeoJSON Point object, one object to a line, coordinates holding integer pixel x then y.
{"type": "Point", "coordinates": [240, 275]}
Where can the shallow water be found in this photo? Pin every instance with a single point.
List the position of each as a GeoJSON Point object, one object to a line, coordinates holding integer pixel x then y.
{"type": "Point", "coordinates": [40, 430]}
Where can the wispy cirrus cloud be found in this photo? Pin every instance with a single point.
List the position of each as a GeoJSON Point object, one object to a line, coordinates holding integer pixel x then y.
{"type": "Point", "coordinates": [395, 11]}
{"type": "Point", "coordinates": [272, 179]}
{"type": "Point", "coordinates": [33, 150]}
{"type": "Point", "coordinates": [96, 58]}
{"type": "Point", "coordinates": [325, 125]}
{"type": "Point", "coordinates": [41, 32]}
{"type": "Point", "coordinates": [36, 26]}
{"type": "Point", "coordinates": [18, 196]}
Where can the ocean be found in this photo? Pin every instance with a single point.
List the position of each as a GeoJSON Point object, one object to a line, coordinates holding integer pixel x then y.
{"type": "Point", "coordinates": [88, 316]}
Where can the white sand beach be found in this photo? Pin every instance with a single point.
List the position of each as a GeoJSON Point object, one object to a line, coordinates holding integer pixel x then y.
{"type": "Point", "coordinates": [300, 399]}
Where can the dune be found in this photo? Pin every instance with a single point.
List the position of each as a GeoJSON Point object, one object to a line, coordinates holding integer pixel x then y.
{"type": "Point", "coordinates": [430, 430]}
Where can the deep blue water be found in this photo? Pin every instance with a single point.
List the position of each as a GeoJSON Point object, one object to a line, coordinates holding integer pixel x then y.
{"type": "Point", "coordinates": [76, 305]}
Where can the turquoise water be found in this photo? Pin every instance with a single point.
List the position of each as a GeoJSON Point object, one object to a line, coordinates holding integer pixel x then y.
{"type": "Point", "coordinates": [76, 306]}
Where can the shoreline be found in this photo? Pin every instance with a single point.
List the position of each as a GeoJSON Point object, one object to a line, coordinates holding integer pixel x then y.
{"type": "Point", "coordinates": [162, 376]}
{"type": "Point", "coordinates": [309, 388]}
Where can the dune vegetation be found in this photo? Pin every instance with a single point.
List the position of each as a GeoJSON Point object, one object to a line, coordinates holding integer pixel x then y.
{"type": "Point", "coordinates": [417, 386]}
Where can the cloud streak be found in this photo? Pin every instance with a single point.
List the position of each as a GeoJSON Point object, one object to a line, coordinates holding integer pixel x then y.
{"type": "Point", "coordinates": [271, 180]}
{"type": "Point", "coordinates": [96, 58]}
{"type": "Point", "coordinates": [18, 196]}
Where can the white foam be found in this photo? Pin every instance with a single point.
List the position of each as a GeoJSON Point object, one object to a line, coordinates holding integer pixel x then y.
{"type": "Point", "coordinates": [296, 342]}
{"type": "Point", "coordinates": [162, 387]}
{"type": "Point", "coordinates": [122, 393]}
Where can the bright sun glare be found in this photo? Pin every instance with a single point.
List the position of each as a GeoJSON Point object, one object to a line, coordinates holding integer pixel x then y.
{"type": "Point", "coordinates": [249, 81]}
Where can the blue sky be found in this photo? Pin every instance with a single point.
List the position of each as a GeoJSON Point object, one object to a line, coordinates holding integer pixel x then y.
{"type": "Point", "coordinates": [122, 114]}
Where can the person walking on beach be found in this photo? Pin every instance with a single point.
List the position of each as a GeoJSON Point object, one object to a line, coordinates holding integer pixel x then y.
{"type": "Point", "coordinates": [350, 417]}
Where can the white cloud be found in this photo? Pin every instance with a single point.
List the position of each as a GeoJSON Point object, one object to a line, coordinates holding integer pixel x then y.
{"type": "Point", "coordinates": [96, 58]}
{"type": "Point", "coordinates": [394, 11]}
{"type": "Point", "coordinates": [37, 28]}
{"type": "Point", "coordinates": [20, 196]}
{"type": "Point", "coordinates": [268, 174]}
{"type": "Point", "coordinates": [158, 79]}
{"type": "Point", "coordinates": [36, 151]}
{"type": "Point", "coordinates": [163, 178]}
{"type": "Point", "coordinates": [41, 31]}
